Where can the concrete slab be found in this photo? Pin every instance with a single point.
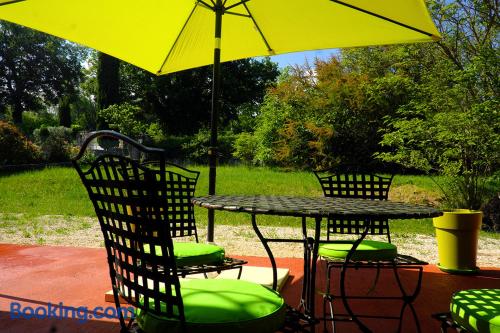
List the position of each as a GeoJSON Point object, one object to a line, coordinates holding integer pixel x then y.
{"type": "Point", "coordinates": [260, 275]}
{"type": "Point", "coordinates": [34, 276]}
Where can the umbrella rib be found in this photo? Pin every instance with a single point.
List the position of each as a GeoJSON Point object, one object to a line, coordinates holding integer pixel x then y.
{"type": "Point", "coordinates": [269, 48]}
{"type": "Point", "coordinates": [203, 3]}
{"type": "Point", "coordinates": [382, 17]}
{"type": "Point", "coordinates": [242, 2]}
{"type": "Point", "coordinates": [237, 14]}
{"type": "Point", "coordinates": [10, 2]}
{"type": "Point", "coordinates": [177, 39]}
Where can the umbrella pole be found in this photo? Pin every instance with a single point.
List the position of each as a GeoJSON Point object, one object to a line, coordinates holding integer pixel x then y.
{"type": "Point", "coordinates": [212, 151]}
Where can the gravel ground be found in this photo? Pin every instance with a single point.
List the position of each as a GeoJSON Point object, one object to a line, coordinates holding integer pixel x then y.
{"type": "Point", "coordinates": [241, 240]}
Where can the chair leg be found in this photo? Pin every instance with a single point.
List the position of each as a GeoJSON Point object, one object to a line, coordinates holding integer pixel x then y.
{"type": "Point", "coordinates": [327, 298]}
{"type": "Point", "coordinates": [124, 327]}
{"type": "Point", "coordinates": [446, 322]}
{"type": "Point", "coordinates": [239, 272]}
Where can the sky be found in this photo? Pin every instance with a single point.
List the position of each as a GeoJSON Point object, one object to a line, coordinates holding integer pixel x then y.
{"type": "Point", "coordinates": [299, 58]}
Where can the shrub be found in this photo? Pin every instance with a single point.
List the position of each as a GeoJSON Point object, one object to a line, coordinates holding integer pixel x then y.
{"type": "Point", "coordinates": [55, 143]}
{"type": "Point", "coordinates": [32, 121]}
{"type": "Point", "coordinates": [125, 118]}
{"type": "Point", "coordinates": [155, 133]}
{"type": "Point", "coordinates": [15, 148]}
{"type": "Point", "coordinates": [76, 129]}
{"type": "Point", "coordinates": [461, 144]}
{"type": "Point", "coordinates": [197, 148]}
{"type": "Point", "coordinates": [245, 147]}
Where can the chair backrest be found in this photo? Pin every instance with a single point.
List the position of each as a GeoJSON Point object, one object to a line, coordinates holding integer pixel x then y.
{"type": "Point", "coordinates": [355, 185]}
{"type": "Point", "coordinates": [129, 201]}
{"type": "Point", "coordinates": [181, 186]}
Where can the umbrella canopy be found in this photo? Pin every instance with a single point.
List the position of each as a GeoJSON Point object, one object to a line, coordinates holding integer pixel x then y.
{"type": "Point", "coordinates": [163, 36]}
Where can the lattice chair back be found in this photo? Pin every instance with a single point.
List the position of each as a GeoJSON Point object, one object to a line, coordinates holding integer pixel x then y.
{"type": "Point", "coordinates": [355, 185]}
{"type": "Point", "coordinates": [181, 186]}
{"type": "Point", "coordinates": [128, 199]}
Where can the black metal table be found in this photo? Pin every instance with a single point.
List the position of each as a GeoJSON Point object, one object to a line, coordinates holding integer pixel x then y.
{"type": "Point", "coordinates": [316, 208]}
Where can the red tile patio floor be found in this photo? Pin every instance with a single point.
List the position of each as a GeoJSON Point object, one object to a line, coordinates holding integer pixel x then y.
{"type": "Point", "coordinates": [37, 275]}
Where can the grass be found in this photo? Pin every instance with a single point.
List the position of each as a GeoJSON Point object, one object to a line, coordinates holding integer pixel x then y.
{"type": "Point", "coordinates": [24, 196]}
{"type": "Point", "coordinates": [51, 191]}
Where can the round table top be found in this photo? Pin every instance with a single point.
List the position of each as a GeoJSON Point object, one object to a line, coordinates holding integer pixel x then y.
{"type": "Point", "coordinates": [315, 207]}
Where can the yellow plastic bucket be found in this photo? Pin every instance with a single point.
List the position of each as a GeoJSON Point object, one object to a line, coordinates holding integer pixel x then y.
{"type": "Point", "coordinates": [457, 234]}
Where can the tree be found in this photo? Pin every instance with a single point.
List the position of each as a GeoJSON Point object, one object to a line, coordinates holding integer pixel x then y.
{"type": "Point", "coordinates": [327, 115]}
{"type": "Point", "coordinates": [35, 69]}
{"type": "Point", "coordinates": [182, 100]}
{"type": "Point", "coordinates": [451, 123]}
{"type": "Point", "coordinates": [125, 118]}
{"type": "Point", "coordinates": [108, 80]}
{"type": "Point", "coordinates": [108, 85]}
{"type": "Point", "coordinates": [64, 111]}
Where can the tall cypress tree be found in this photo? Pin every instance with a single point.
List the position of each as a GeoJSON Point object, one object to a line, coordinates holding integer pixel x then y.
{"type": "Point", "coordinates": [64, 111]}
{"type": "Point", "coordinates": [108, 83]}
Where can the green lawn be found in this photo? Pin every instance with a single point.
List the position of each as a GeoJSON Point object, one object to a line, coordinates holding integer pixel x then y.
{"type": "Point", "coordinates": [58, 191]}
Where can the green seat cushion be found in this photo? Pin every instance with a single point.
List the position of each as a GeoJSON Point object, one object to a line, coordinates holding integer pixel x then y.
{"type": "Point", "coordinates": [368, 250]}
{"type": "Point", "coordinates": [191, 254]}
{"type": "Point", "coordinates": [217, 305]}
{"type": "Point", "coordinates": [477, 310]}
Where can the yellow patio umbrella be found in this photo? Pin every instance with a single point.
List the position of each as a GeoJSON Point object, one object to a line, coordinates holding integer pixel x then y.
{"type": "Point", "coordinates": [165, 36]}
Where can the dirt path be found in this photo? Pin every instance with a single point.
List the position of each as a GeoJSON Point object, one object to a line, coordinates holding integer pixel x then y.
{"type": "Point", "coordinates": [241, 240]}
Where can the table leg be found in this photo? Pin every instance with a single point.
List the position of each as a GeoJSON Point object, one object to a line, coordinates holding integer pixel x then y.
{"type": "Point", "coordinates": [310, 258]}
{"type": "Point", "coordinates": [268, 250]}
{"type": "Point", "coordinates": [307, 257]}
{"type": "Point", "coordinates": [312, 277]}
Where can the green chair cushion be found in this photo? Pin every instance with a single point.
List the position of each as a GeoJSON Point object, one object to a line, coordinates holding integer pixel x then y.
{"type": "Point", "coordinates": [222, 306]}
{"type": "Point", "coordinates": [368, 250]}
{"type": "Point", "coordinates": [477, 310]}
{"type": "Point", "coordinates": [191, 254]}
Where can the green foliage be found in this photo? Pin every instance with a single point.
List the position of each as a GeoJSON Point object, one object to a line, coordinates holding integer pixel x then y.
{"type": "Point", "coordinates": [432, 106]}
{"type": "Point", "coordinates": [84, 112]}
{"type": "Point", "coordinates": [462, 145]}
{"type": "Point", "coordinates": [37, 68]}
{"type": "Point", "coordinates": [88, 157]}
{"type": "Point", "coordinates": [130, 120]}
{"type": "Point", "coordinates": [108, 80]}
{"type": "Point", "coordinates": [181, 101]}
{"type": "Point", "coordinates": [246, 118]}
{"type": "Point", "coordinates": [196, 149]}
{"type": "Point", "coordinates": [451, 124]}
{"type": "Point", "coordinates": [64, 111]}
{"type": "Point", "coordinates": [325, 116]}
{"type": "Point", "coordinates": [272, 115]}
{"type": "Point", "coordinates": [55, 143]}
{"type": "Point", "coordinates": [156, 133]}
{"type": "Point", "coordinates": [125, 118]}
{"type": "Point", "coordinates": [16, 148]}
{"type": "Point", "coordinates": [245, 147]}
{"type": "Point", "coordinates": [33, 120]}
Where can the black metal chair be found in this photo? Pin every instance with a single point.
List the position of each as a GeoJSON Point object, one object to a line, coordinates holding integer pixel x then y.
{"type": "Point", "coordinates": [129, 201]}
{"type": "Point", "coordinates": [180, 184]}
{"type": "Point", "coordinates": [368, 253]}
